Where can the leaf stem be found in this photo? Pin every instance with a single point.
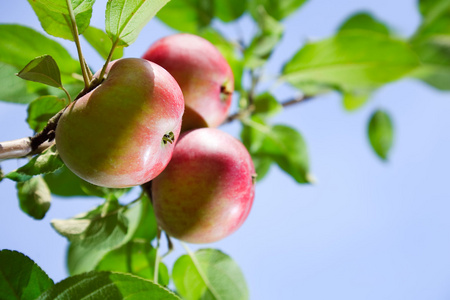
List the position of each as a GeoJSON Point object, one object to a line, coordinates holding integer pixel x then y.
{"type": "Point", "coordinates": [200, 271]}
{"type": "Point", "coordinates": [157, 260]}
{"type": "Point", "coordinates": [108, 59]}
{"type": "Point", "coordinates": [67, 94]}
{"type": "Point", "coordinates": [86, 74]}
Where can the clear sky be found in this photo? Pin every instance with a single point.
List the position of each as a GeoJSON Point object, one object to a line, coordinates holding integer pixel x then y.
{"type": "Point", "coordinates": [366, 230]}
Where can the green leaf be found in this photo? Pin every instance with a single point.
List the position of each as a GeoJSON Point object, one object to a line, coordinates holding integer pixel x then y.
{"type": "Point", "coordinates": [42, 69]}
{"type": "Point", "coordinates": [103, 228]}
{"type": "Point", "coordinates": [42, 109]}
{"type": "Point", "coordinates": [282, 144]}
{"type": "Point", "coordinates": [356, 99]}
{"type": "Point", "coordinates": [126, 18]}
{"type": "Point", "coordinates": [107, 285]}
{"type": "Point", "coordinates": [34, 197]}
{"type": "Point", "coordinates": [13, 89]}
{"type": "Point", "coordinates": [436, 14]}
{"type": "Point", "coordinates": [82, 259]}
{"type": "Point", "coordinates": [58, 23]}
{"type": "Point", "coordinates": [19, 45]}
{"type": "Point", "coordinates": [148, 228]}
{"type": "Point", "coordinates": [381, 133]}
{"type": "Point", "coordinates": [99, 40]}
{"type": "Point", "coordinates": [262, 165]}
{"type": "Point", "coordinates": [266, 105]}
{"type": "Point", "coordinates": [64, 182]}
{"type": "Point", "coordinates": [60, 6]}
{"type": "Point", "coordinates": [20, 277]}
{"type": "Point", "coordinates": [351, 60]}
{"type": "Point", "coordinates": [46, 162]}
{"type": "Point", "coordinates": [276, 8]}
{"type": "Point", "coordinates": [137, 258]}
{"type": "Point", "coordinates": [103, 192]}
{"type": "Point", "coordinates": [364, 21]}
{"type": "Point", "coordinates": [264, 42]}
{"type": "Point", "coordinates": [228, 50]}
{"type": "Point", "coordinates": [229, 10]}
{"type": "Point", "coordinates": [211, 275]}
{"type": "Point", "coordinates": [187, 15]}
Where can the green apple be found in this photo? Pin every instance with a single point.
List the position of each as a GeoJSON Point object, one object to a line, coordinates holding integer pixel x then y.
{"type": "Point", "coordinates": [207, 190]}
{"type": "Point", "coordinates": [123, 132]}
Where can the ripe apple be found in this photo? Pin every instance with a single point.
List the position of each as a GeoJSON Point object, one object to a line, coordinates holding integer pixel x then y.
{"type": "Point", "coordinates": [206, 191]}
{"type": "Point", "coordinates": [205, 77]}
{"type": "Point", "coordinates": [123, 132]}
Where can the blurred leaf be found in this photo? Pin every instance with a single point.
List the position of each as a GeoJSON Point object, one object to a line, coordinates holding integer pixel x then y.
{"type": "Point", "coordinates": [13, 89]}
{"type": "Point", "coordinates": [20, 277]}
{"type": "Point", "coordinates": [42, 69]}
{"type": "Point", "coordinates": [147, 228]}
{"type": "Point", "coordinates": [137, 258]}
{"type": "Point", "coordinates": [212, 275]}
{"type": "Point", "coordinates": [228, 50]}
{"type": "Point", "coordinates": [34, 197]}
{"type": "Point", "coordinates": [103, 192]}
{"type": "Point", "coordinates": [264, 42]}
{"type": "Point", "coordinates": [82, 259]}
{"type": "Point", "coordinates": [266, 105]}
{"type": "Point", "coordinates": [99, 40]}
{"type": "Point", "coordinates": [19, 45]}
{"type": "Point", "coordinates": [262, 165]}
{"type": "Point", "coordinates": [58, 23]}
{"type": "Point", "coordinates": [187, 15]}
{"type": "Point", "coordinates": [107, 285]}
{"type": "Point", "coordinates": [46, 162]}
{"type": "Point", "coordinates": [229, 10]}
{"type": "Point", "coordinates": [276, 8]}
{"type": "Point", "coordinates": [42, 109]}
{"type": "Point", "coordinates": [380, 132]}
{"type": "Point", "coordinates": [436, 18]}
{"type": "Point", "coordinates": [364, 21]}
{"type": "Point", "coordinates": [354, 100]}
{"type": "Point", "coordinates": [102, 228]}
{"type": "Point", "coordinates": [64, 182]}
{"type": "Point", "coordinates": [351, 60]}
{"type": "Point", "coordinates": [126, 18]}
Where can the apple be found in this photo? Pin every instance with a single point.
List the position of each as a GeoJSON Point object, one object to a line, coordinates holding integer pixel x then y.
{"type": "Point", "coordinates": [204, 75]}
{"type": "Point", "coordinates": [123, 132]}
{"type": "Point", "coordinates": [207, 189]}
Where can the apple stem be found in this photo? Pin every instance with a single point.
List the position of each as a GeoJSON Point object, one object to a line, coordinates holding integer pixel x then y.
{"type": "Point", "coordinates": [200, 271]}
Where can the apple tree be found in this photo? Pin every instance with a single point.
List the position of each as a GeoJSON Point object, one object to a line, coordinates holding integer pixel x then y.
{"type": "Point", "coordinates": [114, 249]}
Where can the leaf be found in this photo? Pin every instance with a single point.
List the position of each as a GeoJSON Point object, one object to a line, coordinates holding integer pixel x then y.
{"type": "Point", "coordinates": [147, 228]}
{"type": "Point", "coordinates": [137, 258]}
{"type": "Point", "coordinates": [42, 69]}
{"type": "Point", "coordinates": [262, 165]}
{"type": "Point", "coordinates": [351, 60]}
{"type": "Point", "coordinates": [266, 105]}
{"type": "Point", "coordinates": [100, 41]}
{"type": "Point", "coordinates": [20, 277]}
{"type": "Point", "coordinates": [42, 109]}
{"type": "Point", "coordinates": [126, 18]}
{"type": "Point", "coordinates": [380, 132]}
{"type": "Point", "coordinates": [46, 162]}
{"type": "Point", "coordinates": [103, 228]}
{"type": "Point", "coordinates": [211, 275]}
{"type": "Point", "coordinates": [64, 183]}
{"type": "Point", "coordinates": [82, 259]}
{"type": "Point", "coordinates": [354, 100]}
{"type": "Point", "coordinates": [229, 10]}
{"type": "Point", "coordinates": [263, 43]}
{"type": "Point", "coordinates": [19, 45]}
{"type": "Point", "coordinates": [34, 197]}
{"type": "Point", "coordinates": [60, 6]}
{"type": "Point", "coordinates": [276, 8]}
{"type": "Point", "coordinates": [13, 89]}
{"type": "Point", "coordinates": [58, 23]}
{"type": "Point", "coordinates": [107, 285]}
{"type": "Point", "coordinates": [187, 15]}
{"type": "Point", "coordinates": [364, 21]}
{"type": "Point", "coordinates": [103, 192]}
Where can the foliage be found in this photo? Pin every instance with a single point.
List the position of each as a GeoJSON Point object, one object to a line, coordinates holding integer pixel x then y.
{"type": "Point", "coordinates": [114, 239]}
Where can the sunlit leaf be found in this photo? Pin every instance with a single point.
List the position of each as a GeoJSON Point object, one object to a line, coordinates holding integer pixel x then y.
{"type": "Point", "coordinates": [34, 197]}
{"type": "Point", "coordinates": [381, 133]}
{"type": "Point", "coordinates": [20, 277]}
{"type": "Point", "coordinates": [276, 8]}
{"type": "Point", "coordinates": [100, 41]}
{"type": "Point", "coordinates": [42, 69]}
{"type": "Point", "coordinates": [356, 99]}
{"type": "Point", "coordinates": [364, 21]}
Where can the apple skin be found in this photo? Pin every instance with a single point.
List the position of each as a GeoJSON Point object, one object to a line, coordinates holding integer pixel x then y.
{"type": "Point", "coordinates": [204, 75]}
{"type": "Point", "coordinates": [113, 136]}
{"type": "Point", "coordinates": [207, 190]}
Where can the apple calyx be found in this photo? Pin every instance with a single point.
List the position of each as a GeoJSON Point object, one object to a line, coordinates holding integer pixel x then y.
{"type": "Point", "coordinates": [168, 138]}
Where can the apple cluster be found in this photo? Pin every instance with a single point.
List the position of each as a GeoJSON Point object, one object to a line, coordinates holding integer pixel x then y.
{"type": "Point", "coordinates": [153, 119]}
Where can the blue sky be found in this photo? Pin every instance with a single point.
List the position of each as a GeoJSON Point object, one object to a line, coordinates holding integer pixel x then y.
{"type": "Point", "coordinates": [366, 230]}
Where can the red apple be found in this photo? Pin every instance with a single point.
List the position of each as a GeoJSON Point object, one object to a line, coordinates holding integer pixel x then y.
{"type": "Point", "coordinates": [203, 74]}
{"type": "Point", "coordinates": [123, 132]}
{"type": "Point", "coordinates": [206, 191]}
